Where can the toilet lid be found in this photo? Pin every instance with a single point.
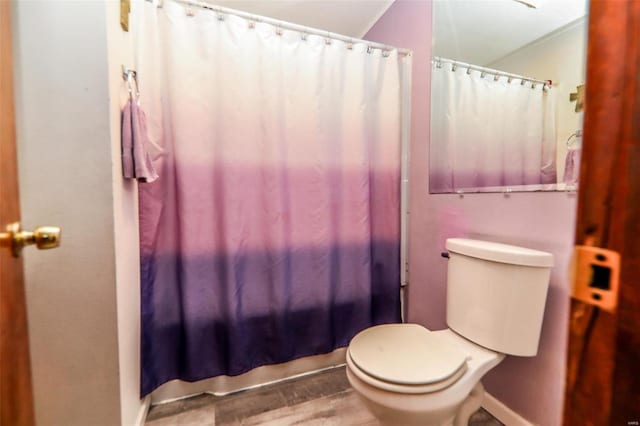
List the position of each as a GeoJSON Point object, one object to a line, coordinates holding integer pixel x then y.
{"type": "Point", "coordinates": [407, 354]}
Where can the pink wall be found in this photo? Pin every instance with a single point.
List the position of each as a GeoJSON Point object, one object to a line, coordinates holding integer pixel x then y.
{"type": "Point", "coordinates": [533, 387]}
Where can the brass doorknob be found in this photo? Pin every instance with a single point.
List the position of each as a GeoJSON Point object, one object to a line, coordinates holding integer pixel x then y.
{"type": "Point", "coordinates": [44, 237]}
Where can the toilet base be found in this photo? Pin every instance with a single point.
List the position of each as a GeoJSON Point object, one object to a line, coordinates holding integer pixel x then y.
{"type": "Point", "coordinates": [469, 406]}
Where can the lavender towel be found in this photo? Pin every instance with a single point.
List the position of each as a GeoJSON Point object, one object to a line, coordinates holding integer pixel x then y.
{"type": "Point", "coordinates": [136, 163]}
{"type": "Point", "coordinates": [572, 166]}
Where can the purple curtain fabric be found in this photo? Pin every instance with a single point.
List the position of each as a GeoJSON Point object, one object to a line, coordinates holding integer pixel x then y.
{"type": "Point", "coordinates": [227, 310]}
{"type": "Point", "coordinates": [273, 232]}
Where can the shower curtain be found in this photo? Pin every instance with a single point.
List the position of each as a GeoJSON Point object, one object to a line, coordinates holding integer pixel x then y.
{"type": "Point", "coordinates": [489, 133]}
{"type": "Point", "coordinates": [273, 230]}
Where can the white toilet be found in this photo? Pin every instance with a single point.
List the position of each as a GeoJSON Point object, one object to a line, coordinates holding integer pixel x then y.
{"type": "Point", "coordinates": [409, 375]}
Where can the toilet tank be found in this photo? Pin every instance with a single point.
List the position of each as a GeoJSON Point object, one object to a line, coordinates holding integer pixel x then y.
{"type": "Point", "coordinates": [496, 294]}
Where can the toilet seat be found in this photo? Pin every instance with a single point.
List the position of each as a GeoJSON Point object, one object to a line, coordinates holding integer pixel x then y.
{"type": "Point", "coordinates": [405, 358]}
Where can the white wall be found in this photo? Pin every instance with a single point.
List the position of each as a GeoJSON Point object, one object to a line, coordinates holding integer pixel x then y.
{"type": "Point", "coordinates": [82, 298]}
{"type": "Point", "coordinates": [125, 212]}
{"type": "Point", "coordinates": [561, 57]}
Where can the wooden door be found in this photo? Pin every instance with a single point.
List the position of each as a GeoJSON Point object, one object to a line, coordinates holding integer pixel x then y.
{"type": "Point", "coordinates": [16, 407]}
{"type": "Point", "coordinates": [603, 367]}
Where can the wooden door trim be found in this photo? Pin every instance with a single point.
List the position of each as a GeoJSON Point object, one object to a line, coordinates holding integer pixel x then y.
{"type": "Point", "coordinates": [603, 365]}
{"type": "Point", "coordinates": [16, 400]}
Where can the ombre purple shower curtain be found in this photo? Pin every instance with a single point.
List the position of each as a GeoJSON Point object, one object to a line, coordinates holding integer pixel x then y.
{"type": "Point", "coordinates": [273, 230]}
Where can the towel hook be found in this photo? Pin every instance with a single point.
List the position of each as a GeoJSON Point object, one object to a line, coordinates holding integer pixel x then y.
{"type": "Point", "coordinates": [577, 134]}
{"type": "Point", "coordinates": [131, 77]}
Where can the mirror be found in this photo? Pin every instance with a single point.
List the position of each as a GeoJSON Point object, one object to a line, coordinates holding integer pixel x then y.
{"type": "Point", "coordinates": [507, 84]}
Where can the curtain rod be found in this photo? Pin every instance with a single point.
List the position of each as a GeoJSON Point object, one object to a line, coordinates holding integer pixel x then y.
{"type": "Point", "coordinates": [437, 60]}
{"type": "Point", "coordinates": [286, 25]}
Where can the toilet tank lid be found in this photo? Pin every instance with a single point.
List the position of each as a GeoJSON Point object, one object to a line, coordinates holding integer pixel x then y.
{"type": "Point", "coordinates": [498, 252]}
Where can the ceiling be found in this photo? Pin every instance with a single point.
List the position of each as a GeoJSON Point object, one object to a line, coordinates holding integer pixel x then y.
{"type": "Point", "coordinates": [474, 31]}
{"type": "Point", "coordinates": [352, 18]}
{"type": "Point", "coordinates": [482, 31]}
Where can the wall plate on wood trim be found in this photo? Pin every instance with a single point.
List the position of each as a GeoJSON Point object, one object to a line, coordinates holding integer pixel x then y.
{"type": "Point", "coordinates": [595, 276]}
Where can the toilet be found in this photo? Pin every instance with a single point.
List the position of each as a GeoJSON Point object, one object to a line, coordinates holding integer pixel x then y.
{"type": "Point", "coordinates": [409, 375]}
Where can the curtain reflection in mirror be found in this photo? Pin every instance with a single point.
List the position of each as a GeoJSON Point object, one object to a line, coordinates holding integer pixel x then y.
{"type": "Point", "coordinates": [490, 129]}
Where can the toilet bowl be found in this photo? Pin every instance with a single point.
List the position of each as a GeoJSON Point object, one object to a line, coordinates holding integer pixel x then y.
{"type": "Point", "coordinates": [414, 376]}
{"type": "Point", "coordinates": [408, 375]}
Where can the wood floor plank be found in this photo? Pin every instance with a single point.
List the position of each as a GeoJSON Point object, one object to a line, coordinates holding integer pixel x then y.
{"type": "Point", "coordinates": [204, 416]}
{"type": "Point", "coordinates": [180, 406]}
{"type": "Point", "coordinates": [339, 409]}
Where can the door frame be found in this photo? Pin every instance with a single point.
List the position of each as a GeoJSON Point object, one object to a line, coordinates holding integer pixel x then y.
{"type": "Point", "coordinates": [603, 361]}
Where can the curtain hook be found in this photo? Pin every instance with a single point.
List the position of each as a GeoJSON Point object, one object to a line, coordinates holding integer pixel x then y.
{"type": "Point", "coordinates": [496, 77]}
{"type": "Point", "coordinates": [454, 66]}
{"type": "Point", "coordinates": [221, 16]}
{"type": "Point", "coordinates": [482, 74]}
{"type": "Point", "coordinates": [469, 70]}
{"type": "Point", "coordinates": [189, 11]}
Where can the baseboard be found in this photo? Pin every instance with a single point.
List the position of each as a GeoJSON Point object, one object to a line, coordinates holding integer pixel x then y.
{"type": "Point", "coordinates": [144, 410]}
{"type": "Point", "coordinates": [503, 413]}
